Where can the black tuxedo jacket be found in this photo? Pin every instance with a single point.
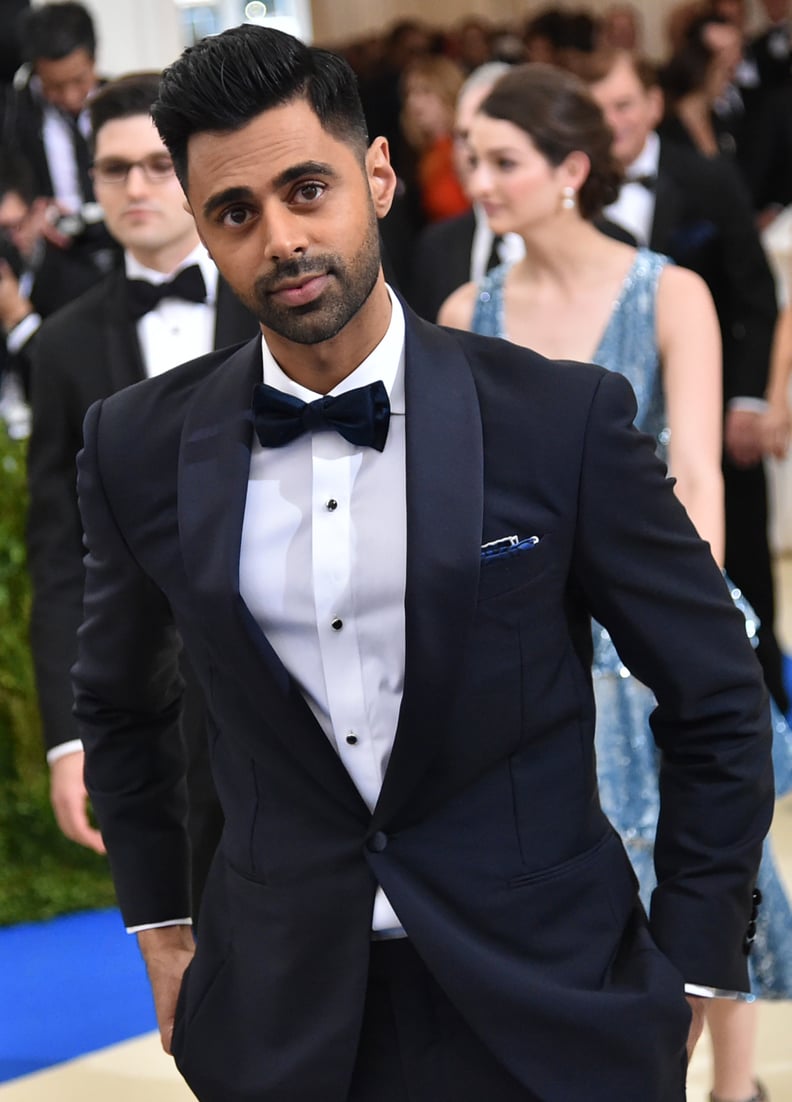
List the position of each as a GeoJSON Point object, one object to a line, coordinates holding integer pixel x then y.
{"type": "Point", "coordinates": [487, 837]}
{"type": "Point", "coordinates": [703, 219]}
{"type": "Point", "coordinates": [87, 351]}
{"type": "Point", "coordinates": [23, 130]}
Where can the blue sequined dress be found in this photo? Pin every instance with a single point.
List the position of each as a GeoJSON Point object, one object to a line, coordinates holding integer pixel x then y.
{"type": "Point", "coordinates": [627, 758]}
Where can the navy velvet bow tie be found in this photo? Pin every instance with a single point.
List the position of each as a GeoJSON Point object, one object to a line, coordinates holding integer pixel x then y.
{"type": "Point", "coordinates": [361, 416]}
{"type": "Point", "coordinates": [143, 296]}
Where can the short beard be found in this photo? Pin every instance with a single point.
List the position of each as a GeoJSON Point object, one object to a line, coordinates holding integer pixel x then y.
{"type": "Point", "coordinates": [349, 289]}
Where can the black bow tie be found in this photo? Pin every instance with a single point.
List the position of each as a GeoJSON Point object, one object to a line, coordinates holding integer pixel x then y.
{"type": "Point", "coordinates": [143, 296]}
{"type": "Point", "coordinates": [647, 180]}
{"type": "Point", "coordinates": [361, 416]}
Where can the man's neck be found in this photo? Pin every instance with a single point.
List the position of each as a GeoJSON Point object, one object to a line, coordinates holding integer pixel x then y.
{"type": "Point", "coordinates": [165, 260]}
{"type": "Point", "coordinates": [320, 367]}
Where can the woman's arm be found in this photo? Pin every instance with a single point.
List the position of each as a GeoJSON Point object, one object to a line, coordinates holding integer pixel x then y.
{"type": "Point", "coordinates": [776, 421]}
{"type": "Point", "coordinates": [688, 337]}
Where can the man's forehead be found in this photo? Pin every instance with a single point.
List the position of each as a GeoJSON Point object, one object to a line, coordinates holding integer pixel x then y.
{"type": "Point", "coordinates": [260, 152]}
{"type": "Point", "coordinates": [117, 133]}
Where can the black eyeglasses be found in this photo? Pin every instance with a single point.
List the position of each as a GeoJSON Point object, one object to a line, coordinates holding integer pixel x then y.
{"type": "Point", "coordinates": [157, 168]}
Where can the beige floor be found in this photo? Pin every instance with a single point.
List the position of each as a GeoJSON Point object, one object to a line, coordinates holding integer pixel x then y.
{"type": "Point", "coordinates": [138, 1070]}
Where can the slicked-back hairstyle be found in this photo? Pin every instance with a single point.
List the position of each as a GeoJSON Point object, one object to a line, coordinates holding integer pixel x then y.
{"type": "Point", "coordinates": [131, 94]}
{"type": "Point", "coordinates": [53, 31]}
{"type": "Point", "coordinates": [225, 81]}
{"type": "Point", "coordinates": [555, 109]}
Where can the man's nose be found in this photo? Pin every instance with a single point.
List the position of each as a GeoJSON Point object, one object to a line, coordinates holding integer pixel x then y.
{"type": "Point", "coordinates": [286, 233]}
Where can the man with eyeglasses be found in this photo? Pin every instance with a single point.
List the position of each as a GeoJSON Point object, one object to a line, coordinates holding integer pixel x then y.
{"type": "Point", "coordinates": [167, 305]}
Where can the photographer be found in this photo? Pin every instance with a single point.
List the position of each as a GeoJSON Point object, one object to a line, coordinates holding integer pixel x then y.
{"type": "Point", "coordinates": [46, 120]}
{"type": "Point", "coordinates": [36, 278]}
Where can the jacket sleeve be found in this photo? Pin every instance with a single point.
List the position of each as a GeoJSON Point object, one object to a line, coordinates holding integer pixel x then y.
{"type": "Point", "coordinates": [653, 583]}
{"type": "Point", "coordinates": [128, 693]}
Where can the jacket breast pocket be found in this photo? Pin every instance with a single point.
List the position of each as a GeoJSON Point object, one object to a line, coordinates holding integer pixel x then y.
{"type": "Point", "coordinates": [514, 567]}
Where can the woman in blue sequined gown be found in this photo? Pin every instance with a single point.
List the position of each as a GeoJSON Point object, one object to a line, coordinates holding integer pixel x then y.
{"type": "Point", "coordinates": [539, 167]}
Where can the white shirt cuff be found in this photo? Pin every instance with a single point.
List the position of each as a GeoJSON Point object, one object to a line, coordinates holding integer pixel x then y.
{"type": "Point", "coordinates": [74, 746]}
{"type": "Point", "coordinates": [17, 338]}
{"type": "Point", "coordinates": [159, 925]}
{"type": "Point", "coordinates": [749, 405]}
{"type": "Point", "coordinates": [718, 993]}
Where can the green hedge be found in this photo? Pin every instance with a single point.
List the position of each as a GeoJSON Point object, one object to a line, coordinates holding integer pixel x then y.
{"type": "Point", "coordinates": [42, 874]}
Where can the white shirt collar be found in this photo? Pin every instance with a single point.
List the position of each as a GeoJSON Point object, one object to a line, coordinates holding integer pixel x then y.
{"type": "Point", "coordinates": [648, 160]}
{"type": "Point", "coordinates": [385, 362]}
{"type": "Point", "coordinates": [199, 255]}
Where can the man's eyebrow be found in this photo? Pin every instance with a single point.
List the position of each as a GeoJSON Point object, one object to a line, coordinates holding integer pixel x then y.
{"type": "Point", "coordinates": [305, 168]}
{"type": "Point", "coordinates": [228, 195]}
{"type": "Point", "coordinates": [288, 176]}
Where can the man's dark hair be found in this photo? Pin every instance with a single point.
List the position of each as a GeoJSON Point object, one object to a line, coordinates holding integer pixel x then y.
{"type": "Point", "coordinates": [131, 94]}
{"type": "Point", "coordinates": [54, 31]}
{"type": "Point", "coordinates": [225, 81]}
{"type": "Point", "coordinates": [16, 177]}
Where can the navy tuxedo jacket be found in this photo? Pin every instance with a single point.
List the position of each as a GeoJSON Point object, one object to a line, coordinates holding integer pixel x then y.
{"type": "Point", "coordinates": [488, 836]}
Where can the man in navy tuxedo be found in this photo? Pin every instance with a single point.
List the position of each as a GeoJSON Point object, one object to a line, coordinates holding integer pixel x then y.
{"type": "Point", "coordinates": [381, 543]}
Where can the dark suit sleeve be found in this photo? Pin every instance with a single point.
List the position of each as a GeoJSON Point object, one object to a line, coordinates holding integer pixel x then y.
{"type": "Point", "coordinates": [54, 535]}
{"type": "Point", "coordinates": [128, 696]}
{"type": "Point", "coordinates": [652, 582]}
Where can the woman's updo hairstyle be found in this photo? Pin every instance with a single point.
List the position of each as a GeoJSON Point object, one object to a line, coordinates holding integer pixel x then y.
{"type": "Point", "coordinates": [555, 109]}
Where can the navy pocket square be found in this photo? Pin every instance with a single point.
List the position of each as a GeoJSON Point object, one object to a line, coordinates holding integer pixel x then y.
{"type": "Point", "coordinates": [508, 545]}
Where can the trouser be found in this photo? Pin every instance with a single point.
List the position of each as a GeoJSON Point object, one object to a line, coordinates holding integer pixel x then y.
{"type": "Point", "coordinates": [415, 1046]}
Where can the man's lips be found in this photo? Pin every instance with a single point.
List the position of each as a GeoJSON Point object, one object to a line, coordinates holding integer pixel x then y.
{"type": "Point", "coordinates": [299, 292]}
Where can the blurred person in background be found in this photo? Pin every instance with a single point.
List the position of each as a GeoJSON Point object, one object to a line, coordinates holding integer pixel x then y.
{"type": "Point", "coordinates": [165, 306]}
{"type": "Point", "coordinates": [472, 42]}
{"type": "Point", "coordinates": [620, 28]}
{"type": "Point", "coordinates": [543, 166]}
{"type": "Point", "coordinates": [696, 82]}
{"type": "Point", "coordinates": [430, 86]}
{"type": "Point", "coordinates": [46, 119]}
{"type": "Point", "coordinates": [36, 279]}
{"type": "Point", "coordinates": [450, 252]}
{"type": "Point", "coordinates": [696, 210]}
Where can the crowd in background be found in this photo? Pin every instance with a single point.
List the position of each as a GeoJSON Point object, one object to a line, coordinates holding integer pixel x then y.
{"type": "Point", "coordinates": [700, 166]}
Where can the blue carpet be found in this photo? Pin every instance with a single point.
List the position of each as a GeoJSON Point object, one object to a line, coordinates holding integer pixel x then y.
{"type": "Point", "coordinates": [68, 987]}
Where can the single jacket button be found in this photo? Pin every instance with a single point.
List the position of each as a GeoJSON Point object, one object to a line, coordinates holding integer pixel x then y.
{"type": "Point", "coordinates": [352, 739]}
{"type": "Point", "coordinates": [378, 842]}
{"type": "Point", "coordinates": [336, 623]}
{"type": "Point", "coordinates": [331, 505]}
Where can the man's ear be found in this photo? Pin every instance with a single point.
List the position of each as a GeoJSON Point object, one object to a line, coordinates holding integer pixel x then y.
{"type": "Point", "coordinates": [381, 176]}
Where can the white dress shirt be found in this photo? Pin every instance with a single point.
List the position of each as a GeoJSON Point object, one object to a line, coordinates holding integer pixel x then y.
{"type": "Point", "coordinates": [175, 330]}
{"type": "Point", "coordinates": [634, 209]}
{"type": "Point", "coordinates": [59, 150]}
{"type": "Point", "coordinates": [322, 569]}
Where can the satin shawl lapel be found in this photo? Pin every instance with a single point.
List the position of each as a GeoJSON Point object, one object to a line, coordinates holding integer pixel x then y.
{"type": "Point", "coordinates": [124, 360]}
{"type": "Point", "coordinates": [444, 525]}
{"type": "Point", "coordinates": [214, 464]}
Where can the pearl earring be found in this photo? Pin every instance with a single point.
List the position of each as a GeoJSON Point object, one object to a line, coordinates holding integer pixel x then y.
{"type": "Point", "coordinates": [568, 197]}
